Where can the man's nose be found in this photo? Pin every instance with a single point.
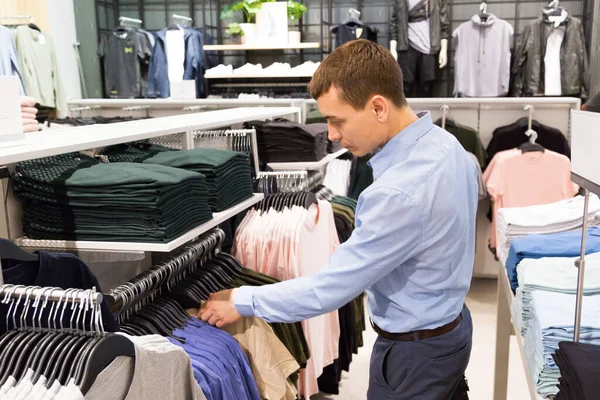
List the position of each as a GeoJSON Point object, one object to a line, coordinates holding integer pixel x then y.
{"type": "Point", "coordinates": [333, 134]}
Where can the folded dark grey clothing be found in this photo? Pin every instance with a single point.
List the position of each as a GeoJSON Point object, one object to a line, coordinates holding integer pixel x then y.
{"type": "Point", "coordinates": [90, 174]}
{"type": "Point", "coordinates": [118, 232]}
{"type": "Point", "coordinates": [99, 201]}
{"type": "Point", "coordinates": [132, 152]}
{"type": "Point", "coordinates": [75, 225]}
{"type": "Point", "coordinates": [113, 214]}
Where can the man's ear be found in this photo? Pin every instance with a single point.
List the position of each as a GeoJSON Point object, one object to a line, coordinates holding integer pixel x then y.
{"type": "Point", "coordinates": [380, 107]}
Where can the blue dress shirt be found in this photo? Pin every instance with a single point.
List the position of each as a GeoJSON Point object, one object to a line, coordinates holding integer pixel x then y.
{"type": "Point", "coordinates": [413, 246]}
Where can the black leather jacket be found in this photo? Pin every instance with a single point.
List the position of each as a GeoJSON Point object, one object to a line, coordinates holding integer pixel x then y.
{"type": "Point", "coordinates": [439, 23]}
{"type": "Point", "coordinates": [528, 66]}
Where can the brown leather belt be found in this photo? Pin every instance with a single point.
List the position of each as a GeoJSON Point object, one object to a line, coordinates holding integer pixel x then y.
{"type": "Point", "coordinates": [417, 335]}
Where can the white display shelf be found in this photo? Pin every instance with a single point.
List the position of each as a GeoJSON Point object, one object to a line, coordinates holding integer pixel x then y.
{"type": "Point", "coordinates": [217, 219]}
{"type": "Point", "coordinates": [258, 76]}
{"type": "Point", "coordinates": [308, 166]}
{"type": "Point", "coordinates": [504, 328]}
{"type": "Point", "coordinates": [258, 46]}
{"type": "Point", "coordinates": [60, 141]}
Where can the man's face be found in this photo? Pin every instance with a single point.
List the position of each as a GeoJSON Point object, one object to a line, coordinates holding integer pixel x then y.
{"type": "Point", "coordinates": [358, 131]}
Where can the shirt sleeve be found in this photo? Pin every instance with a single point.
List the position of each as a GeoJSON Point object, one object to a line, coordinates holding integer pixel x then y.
{"type": "Point", "coordinates": [389, 231]}
{"type": "Point", "coordinates": [144, 47]}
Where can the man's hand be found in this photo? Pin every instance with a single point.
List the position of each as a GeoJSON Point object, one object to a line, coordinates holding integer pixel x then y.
{"type": "Point", "coordinates": [219, 310]}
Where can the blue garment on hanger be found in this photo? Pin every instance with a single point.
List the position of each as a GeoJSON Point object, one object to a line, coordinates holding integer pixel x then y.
{"type": "Point", "coordinates": [9, 63]}
{"type": "Point", "coordinates": [194, 64]}
{"type": "Point", "coordinates": [220, 366]}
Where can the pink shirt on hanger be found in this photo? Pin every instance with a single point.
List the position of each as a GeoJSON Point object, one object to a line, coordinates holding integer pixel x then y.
{"type": "Point", "coordinates": [317, 241]}
{"type": "Point", "coordinates": [525, 179]}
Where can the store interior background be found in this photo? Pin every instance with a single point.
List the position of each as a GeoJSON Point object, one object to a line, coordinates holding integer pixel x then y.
{"type": "Point", "coordinates": [83, 21]}
{"type": "Point", "coordinates": [76, 26]}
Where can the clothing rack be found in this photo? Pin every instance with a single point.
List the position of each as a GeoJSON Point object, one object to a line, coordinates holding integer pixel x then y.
{"type": "Point", "coordinates": [584, 172]}
{"type": "Point", "coordinates": [242, 140]}
{"type": "Point", "coordinates": [82, 138]}
{"type": "Point", "coordinates": [128, 298]}
{"type": "Point", "coordinates": [181, 20]}
{"type": "Point", "coordinates": [93, 348]}
{"type": "Point", "coordinates": [8, 291]}
{"type": "Point", "coordinates": [287, 181]}
{"type": "Point", "coordinates": [168, 107]}
{"type": "Point", "coordinates": [126, 21]}
{"type": "Point", "coordinates": [246, 136]}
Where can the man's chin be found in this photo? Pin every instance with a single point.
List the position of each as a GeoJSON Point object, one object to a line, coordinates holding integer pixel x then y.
{"type": "Point", "coordinates": [355, 152]}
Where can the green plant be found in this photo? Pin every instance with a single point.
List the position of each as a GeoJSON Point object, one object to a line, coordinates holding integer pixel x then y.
{"type": "Point", "coordinates": [295, 10]}
{"type": "Point", "coordinates": [249, 7]}
{"type": "Point", "coordinates": [234, 29]}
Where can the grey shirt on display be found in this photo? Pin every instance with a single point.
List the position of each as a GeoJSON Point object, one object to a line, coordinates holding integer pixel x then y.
{"type": "Point", "coordinates": [123, 51]}
{"type": "Point", "coordinates": [482, 57]}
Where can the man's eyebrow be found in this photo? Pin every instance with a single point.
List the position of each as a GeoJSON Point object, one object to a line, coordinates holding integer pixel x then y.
{"type": "Point", "coordinates": [331, 117]}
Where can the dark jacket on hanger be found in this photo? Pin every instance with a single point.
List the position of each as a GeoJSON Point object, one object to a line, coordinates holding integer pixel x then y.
{"type": "Point", "coordinates": [346, 32]}
{"type": "Point", "coordinates": [468, 138]}
{"type": "Point", "coordinates": [194, 65]}
{"type": "Point", "coordinates": [439, 23]}
{"type": "Point", "coordinates": [528, 66]}
{"type": "Point", "coordinates": [513, 135]}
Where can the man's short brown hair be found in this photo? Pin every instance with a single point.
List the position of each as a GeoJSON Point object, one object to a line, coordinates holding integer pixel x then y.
{"type": "Point", "coordinates": [360, 69]}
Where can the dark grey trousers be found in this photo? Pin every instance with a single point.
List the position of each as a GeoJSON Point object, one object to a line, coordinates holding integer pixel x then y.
{"type": "Point", "coordinates": [428, 369]}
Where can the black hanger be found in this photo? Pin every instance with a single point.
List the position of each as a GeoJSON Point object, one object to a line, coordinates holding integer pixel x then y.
{"type": "Point", "coordinates": [12, 362]}
{"type": "Point", "coordinates": [108, 348]}
{"type": "Point", "coordinates": [34, 26]}
{"type": "Point", "coordinates": [73, 357]}
{"type": "Point", "coordinates": [169, 319]}
{"type": "Point", "coordinates": [6, 358]}
{"type": "Point", "coordinates": [310, 200]}
{"type": "Point", "coordinates": [35, 358]}
{"type": "Point", "coordinates": [173, 305]}
{"type": "Point", "coordinates": [529, 147]}
{"type": "Point", "coordinates": [52, 350]}
{"type": "Point", "coordinates": [10, 250]}
{"type": "Point", "coordinates": [184, 299]}
{"type": "Point", "coordinates": [61, 355]}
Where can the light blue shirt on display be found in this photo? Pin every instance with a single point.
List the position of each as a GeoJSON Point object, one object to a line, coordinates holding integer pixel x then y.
{"type": "Point", "coordinates": [413, 247]}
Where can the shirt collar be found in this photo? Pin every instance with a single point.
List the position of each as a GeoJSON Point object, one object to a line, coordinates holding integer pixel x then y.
{"type": "Point", "coordinates": [400, 143]}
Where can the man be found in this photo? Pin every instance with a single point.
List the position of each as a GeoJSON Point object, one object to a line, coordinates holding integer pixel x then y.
{"type": "Point", "coordinates": [413, 247]}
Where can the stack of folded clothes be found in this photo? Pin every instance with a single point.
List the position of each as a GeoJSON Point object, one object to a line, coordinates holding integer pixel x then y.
{"type": "Point", "coordinates": [579, 365]}
{"type": "Point", "coordinates": [286, 141]}
{"type": "Point", "coordinates": [228, 173]}
{"type": "Point", "coordinates": [75, 197]}
{"type": "Point", "coordinates": [551, 274]}
{"type": "Point", "coordinates": [565, 215]}
{"type": "Point", "coordinates": [562, 244]}
{"type": "Point", "coordinates": [552, 318]}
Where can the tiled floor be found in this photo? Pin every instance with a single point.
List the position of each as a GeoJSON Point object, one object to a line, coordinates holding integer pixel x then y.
{"type": "Point", "coordinates": [480, 373]}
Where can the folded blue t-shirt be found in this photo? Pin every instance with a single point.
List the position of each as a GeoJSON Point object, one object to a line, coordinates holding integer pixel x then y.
{"type": "Point", "coordinates": [563, 244]}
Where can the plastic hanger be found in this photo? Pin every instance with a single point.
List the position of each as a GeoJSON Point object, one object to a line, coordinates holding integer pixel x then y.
{"type": "Point", "coordinates": [106, 350]}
